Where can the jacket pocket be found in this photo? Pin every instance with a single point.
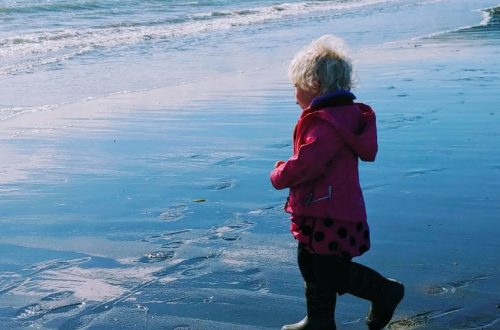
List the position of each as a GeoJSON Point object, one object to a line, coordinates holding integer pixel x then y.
{"type": "Point", "coordinates": [311, 200]}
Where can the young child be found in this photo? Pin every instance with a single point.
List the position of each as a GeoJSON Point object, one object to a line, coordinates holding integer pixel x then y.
{"type": "Point", "coordinates": [327, 208]}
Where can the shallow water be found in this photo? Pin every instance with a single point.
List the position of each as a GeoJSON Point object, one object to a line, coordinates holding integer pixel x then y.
{"type": "Point", "coordinates": [154, 210]}
{"type": "Point", "coordinates": [62, 51]}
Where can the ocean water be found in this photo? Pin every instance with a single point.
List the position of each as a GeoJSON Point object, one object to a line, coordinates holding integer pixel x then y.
{"type": "Point", "coordinates": [137, 137]}
{"type": "Point", "coordinates": [54, 52]}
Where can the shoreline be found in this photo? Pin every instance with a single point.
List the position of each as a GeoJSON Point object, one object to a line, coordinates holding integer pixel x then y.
{"type": "Point", "coordinates": [235, 62]}
{"type": "Point", "coordinates": [179, 182]}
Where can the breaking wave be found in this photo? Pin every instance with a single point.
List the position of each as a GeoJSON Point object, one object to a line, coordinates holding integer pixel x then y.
{"type": "Point", "coordinates": [24, 52]}
{"type": "Point", "coordinates": [488, 28]}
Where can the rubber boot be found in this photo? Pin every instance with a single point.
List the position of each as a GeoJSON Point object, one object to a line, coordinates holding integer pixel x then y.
{"type": "Point", "coordinates": [320, 311]}
{"type": "Point", "coordinates": [384, 294]}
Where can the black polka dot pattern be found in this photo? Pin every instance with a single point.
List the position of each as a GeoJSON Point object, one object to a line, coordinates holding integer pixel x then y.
{"type": "Point", "coordinates": [319, 236]}
{"type": "Point", "coordinates": [333, 246]}
{"type": "Point", "coordinates": [306, 230]}
{"type": "Point", "coordinates": [352, 241]}
{"type": "Point", "coordinates": [326, 236]}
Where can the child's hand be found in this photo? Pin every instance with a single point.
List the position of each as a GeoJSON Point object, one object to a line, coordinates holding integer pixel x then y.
{"type": "Point", "coordinates": [278, 163]}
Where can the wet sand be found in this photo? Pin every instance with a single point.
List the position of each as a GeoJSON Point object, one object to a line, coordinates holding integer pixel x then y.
{"type": "Point", "coordinates": [153, 210]}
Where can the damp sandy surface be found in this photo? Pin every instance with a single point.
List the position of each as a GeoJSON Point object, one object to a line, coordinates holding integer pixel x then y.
{"type": "Point", "coordinates": [154, 210]}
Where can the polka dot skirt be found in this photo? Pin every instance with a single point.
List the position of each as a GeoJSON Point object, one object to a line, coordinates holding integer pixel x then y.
{"type": "Point", "coordinates": [332, 237]}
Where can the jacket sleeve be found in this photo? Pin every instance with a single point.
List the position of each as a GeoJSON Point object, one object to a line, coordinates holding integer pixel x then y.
{"type": "Point", "coordinates": [321, 143]}
{"type": "Point", "coordinates": [367, 141]}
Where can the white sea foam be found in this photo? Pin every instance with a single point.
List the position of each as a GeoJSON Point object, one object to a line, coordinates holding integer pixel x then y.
{"type": "Point", "coordinates": [486, 18]}
{"type": "Point", "coordinates": [24, 52]}
{"type": "Point", "coordinates": [488, 14]}
{"type": "Point", "coordinates": [11, 112]}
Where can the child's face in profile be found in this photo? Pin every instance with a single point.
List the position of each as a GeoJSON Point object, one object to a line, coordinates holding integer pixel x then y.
{"type": "Point", "coordinates": [303, 97]}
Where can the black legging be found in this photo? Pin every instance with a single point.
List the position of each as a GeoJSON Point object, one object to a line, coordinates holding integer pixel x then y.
{"type": "Point", "coordinates": [329, 272]}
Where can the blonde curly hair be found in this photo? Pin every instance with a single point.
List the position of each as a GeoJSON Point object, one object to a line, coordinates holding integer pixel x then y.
{"type": "Point", "coordinates": [322, 66]}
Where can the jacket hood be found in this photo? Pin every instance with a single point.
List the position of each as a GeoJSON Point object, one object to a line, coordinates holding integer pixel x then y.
{"type": "Point", "coordinates": [354, 122]}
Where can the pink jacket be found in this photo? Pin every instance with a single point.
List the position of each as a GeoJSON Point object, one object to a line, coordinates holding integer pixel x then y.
{"type": "Point", "coordinates": [323, 174]}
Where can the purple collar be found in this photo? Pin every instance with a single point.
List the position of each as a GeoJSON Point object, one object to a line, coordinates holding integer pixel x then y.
{"type": "Point", "coordinates": [336, 98]}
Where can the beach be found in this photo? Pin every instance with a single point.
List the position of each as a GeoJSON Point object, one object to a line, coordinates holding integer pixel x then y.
{"type": "Point", "coordinates": [134, 177]}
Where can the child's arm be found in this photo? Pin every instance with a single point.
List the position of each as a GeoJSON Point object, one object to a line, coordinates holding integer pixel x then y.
{"type": "Point", "coordinates": [321, 144]}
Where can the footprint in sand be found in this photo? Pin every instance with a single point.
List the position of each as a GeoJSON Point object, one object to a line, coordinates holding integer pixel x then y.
{"type": "Point", "coordinates": [161, 255]}
{"type": "Point", "coordinates": [197, 266]}
{"type": "Point", "coordinates": [250, 280]}
{"type": "Point", "coordinates": [188, 268]}
{"type": "Point", "coordinates": [273, 209]}
{"type": "Point", "coordinates": [223, 184]}
{"type": "Point", "coordinates": [169, 248]}
{"type": "Point", "coordinates": [257, 285]}
{"type": "Point", "coordinates": [231, 231]}
{"type": "Point", "coordinates": [249, 283]}
{"type": "Point", "coordinates": [174, 212]}
{"type": "Point", "coordinates": [161, 238]}
{"type": "Point", "coordinates": [173, 240]}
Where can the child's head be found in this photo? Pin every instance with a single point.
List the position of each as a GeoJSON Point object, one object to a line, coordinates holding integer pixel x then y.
{"type": "Point", "coordinates": [322, 67]}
